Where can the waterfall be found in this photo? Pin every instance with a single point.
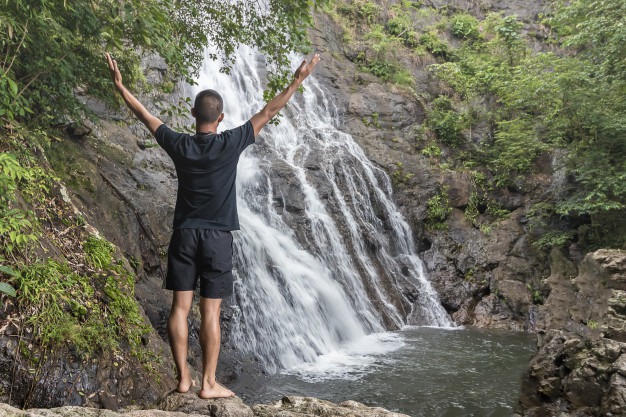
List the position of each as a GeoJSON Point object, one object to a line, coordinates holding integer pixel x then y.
{"type": "Point", "coordinates": [323, 256]}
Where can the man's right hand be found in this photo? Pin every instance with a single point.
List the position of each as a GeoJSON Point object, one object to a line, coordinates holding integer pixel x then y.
{"type": "Point", "coordinates": [272, 108]}
{"type": "Point", "coordinates": [304, 70]}
{"type": "Point", "coordinates": [115, 72]}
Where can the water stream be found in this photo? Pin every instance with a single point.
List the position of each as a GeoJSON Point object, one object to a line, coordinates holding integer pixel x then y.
{"type": "Point", "coordinates": [323, 258]}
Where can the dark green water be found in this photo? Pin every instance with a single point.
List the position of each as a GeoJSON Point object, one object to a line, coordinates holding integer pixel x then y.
{"type": "Point", "coordinates": [418, 371]}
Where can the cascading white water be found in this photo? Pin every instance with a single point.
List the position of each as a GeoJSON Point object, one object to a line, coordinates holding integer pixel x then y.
{"type": "Point", "coordinates": [323, 256]}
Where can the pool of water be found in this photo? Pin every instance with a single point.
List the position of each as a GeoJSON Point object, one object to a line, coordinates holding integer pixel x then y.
{"type": "Point", "coordinates": [418, 371]}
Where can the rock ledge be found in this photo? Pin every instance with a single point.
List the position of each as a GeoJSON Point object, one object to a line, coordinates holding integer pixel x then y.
{"type": "Point", "coordinates": [180, 405]}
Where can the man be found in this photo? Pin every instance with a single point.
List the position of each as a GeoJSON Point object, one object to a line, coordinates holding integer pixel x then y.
{"type": "Point", "coordinates": [205, 214]}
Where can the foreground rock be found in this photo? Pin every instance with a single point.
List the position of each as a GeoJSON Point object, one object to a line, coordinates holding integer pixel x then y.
{"type": "Point", "coordinates": [574, 376]}
{"type": "Point", "coordinates": [303, 406]}
{"type": "Point", "coordinates": [176, 405]}
{"type": "Point", "coordinates": [580, 366]}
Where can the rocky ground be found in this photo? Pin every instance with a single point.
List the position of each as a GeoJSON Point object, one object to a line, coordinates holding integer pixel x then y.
{"type": "Point", "coordinates": [179, 405]}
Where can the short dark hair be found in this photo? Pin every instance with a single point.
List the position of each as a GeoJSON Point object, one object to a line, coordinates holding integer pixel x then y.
{"type": "Point", "coordinates": [209, 105]}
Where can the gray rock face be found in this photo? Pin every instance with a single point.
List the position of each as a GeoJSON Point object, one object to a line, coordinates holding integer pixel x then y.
{"type": "Point", "coordinates": [572, 375]}
{"type": "Point", "coordinates": [34, 377]}
{"type": "Point", "coordinates": [587, 303]}
{"type": "Point", "coordinates": [579, 366]}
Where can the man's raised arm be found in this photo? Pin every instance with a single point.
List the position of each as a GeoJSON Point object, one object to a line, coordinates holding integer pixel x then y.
{"type": "Point", "coordinates": [272, 108]}
{"type": "Point", "coordinates": [151, 122]}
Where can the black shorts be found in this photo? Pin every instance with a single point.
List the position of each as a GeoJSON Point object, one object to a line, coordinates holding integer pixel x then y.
{"type": "Point", "coordinates": [201, 253]}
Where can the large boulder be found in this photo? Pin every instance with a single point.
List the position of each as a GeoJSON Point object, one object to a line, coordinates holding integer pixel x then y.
{"type": "Point", "coordinates": [580, 365]}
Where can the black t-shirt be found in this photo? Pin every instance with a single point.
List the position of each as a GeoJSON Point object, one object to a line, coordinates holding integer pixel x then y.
{"type": "Point", "coordinates": [206, 166]}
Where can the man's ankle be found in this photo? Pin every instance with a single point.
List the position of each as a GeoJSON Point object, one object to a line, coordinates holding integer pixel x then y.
{"type": "Point", "coordinates": [210, 382]}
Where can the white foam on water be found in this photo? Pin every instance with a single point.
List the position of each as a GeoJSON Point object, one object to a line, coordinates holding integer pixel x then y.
{"type": "Point", "coordinates": [351, 361]}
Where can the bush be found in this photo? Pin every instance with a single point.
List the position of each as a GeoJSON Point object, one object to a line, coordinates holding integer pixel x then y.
{"type": "Point", "coordinates": [436, 46]}
{"type": "Point", "coordinates": [438, 210]}
{"type": "Point", "coordinates": [445, 121]}
{"type": "Point", "coordinates": [465, 27]}
{"type": "Point", "coordinates": [365, 10]}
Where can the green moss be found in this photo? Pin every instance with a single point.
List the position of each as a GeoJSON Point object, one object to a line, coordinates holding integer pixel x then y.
{"type": "Point", "coordinates": [93, 312]}
{"type": "Point", "coordinates": [71, 166]}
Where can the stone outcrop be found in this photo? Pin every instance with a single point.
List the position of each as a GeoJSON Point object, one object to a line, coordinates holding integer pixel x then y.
{"type": "Point", "coordinates": [179, 405]}
{"type": "Point", "coordinates": [61, 377]}
{"type": "Point", "coordinates": [580, 366]}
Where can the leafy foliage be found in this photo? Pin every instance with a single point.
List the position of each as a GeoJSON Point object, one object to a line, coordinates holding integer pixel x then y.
{"type": "Point", "coordinates": [595, 29]}
{"type": "Point", "coordinates": [5, 287]}
{"type": "Point", "coordinates": [465, 26]}
{"type": "Point", "coordinates": [536, 102]}
{"type": "Point", "coordinates": [93, 312]}
{"type": "Point", "coordinates": [506, 102]}
{"type": "Point", "coordinates": [435, 45]}
{"type": "Point", "coordinates": [438, 210]}
{"type": "Point", "coordinates": [16, 226]}
{"type": "Point", "coordinates": [51, 48]}
{"type": "Point", "coordinates": [445, 121]}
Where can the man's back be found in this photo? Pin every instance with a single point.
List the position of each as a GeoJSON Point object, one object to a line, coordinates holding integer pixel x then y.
{"type": "Point", "coordinates": [206, 165]}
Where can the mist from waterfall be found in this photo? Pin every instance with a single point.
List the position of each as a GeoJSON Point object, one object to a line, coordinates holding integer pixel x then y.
{"type": "Point", "coordinates": [323, 257]}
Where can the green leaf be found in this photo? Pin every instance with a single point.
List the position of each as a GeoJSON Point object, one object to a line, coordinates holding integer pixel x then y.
{"type": "Point", "coordinates": [7, 289]}
{"type": "Point", "coordinates": [8, 271]}
{"type": "Point", "coordinates": [12, 86]}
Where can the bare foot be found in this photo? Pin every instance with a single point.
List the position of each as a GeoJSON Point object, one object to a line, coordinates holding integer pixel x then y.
{"type": "Point", "coordinates": [185, 382]}
{"type": "Point", "coordinates": [214, 391]}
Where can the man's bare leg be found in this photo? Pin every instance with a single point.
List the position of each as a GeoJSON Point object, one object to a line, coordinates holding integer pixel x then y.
{"type": "Point", "coordinates": [178, 333]}
{"type": "Point", "coordinates": [210, 338]}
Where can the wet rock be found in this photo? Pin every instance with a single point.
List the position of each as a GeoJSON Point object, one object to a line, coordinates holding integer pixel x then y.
{"type": "Point", "coordinates": [286, 187]}
{"type": "Point", "coordinates": [574, 375]}
{"type": "Point", "coordinates": [458, 189]}
{"type": "Point", "coordinates": [111, 380]}
{"type": "Point", "coordinates": [78, 130]}
{"type": "Point", "coordinates": [190, 403]}
{"type": "Point", "coordinates": [305, 406]}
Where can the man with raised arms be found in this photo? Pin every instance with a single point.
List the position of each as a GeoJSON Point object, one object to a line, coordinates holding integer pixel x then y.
{"type": "Point", "coordinates": [206, 212]}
